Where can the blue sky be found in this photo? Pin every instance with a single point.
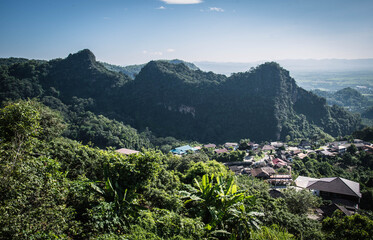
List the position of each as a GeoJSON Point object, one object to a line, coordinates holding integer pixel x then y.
{"type": "Point", "coordinates": [127, 32]}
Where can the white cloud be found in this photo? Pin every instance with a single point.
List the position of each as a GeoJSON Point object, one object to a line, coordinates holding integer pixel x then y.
{"type": "Point", "coordinates": [161, 8]}
{"type": "Point", "coordinates": [182, 1]}
{"type": "Point", "coordinates": [216, 9]}
{"type": "Point", "coordinates": [170, 50]}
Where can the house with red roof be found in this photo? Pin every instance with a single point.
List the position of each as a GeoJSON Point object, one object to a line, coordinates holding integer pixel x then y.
{"type": "Point", "coordinates": [279, 162]}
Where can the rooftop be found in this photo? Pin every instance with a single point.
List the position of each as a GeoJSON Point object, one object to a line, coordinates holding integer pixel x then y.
{"type": "Point", "coordinates": [126, 151]}
{"type": "Point", "coordinates": [336, 185]}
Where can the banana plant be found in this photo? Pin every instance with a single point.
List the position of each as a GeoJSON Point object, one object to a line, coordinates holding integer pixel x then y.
{"type": "Point", "coordinates": [126, 205]}
{"type": "Point", "coordinates": [220, 202]}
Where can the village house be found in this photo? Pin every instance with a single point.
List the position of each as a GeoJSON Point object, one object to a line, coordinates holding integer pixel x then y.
{"type": "Point", "coordinates": [277, 144]}
{"type": "Point", "coordinates": [211, 145]}
{"type": "Point", "coordinates": [284, 155]}
{"type": "Point", "coordinates": [280, 180]}
{"type": "Point", "coordinates": [126, 151]}
{"type": "Point", "coordinates": [302, 155]}
{"type": "Point", "coordinates": [340, 149]}
{"type": "Point", "coordinates": [278, 163]}
{"type": "Point", "coordinates": [326, 153]}
{"type": "Point", "coordinates": [368, 149]}
{"type": "Point", "coordinates": [267, 148]}
{"type": "Point", "coordinates": [344, 194]}
{"type": "Point", "coordinates": [337, 189]}
{"type": "Point", "coordinates": [263, 172]}
{"type": "Point", "coordinates": [239, 167]}
{"type": "Point", "coordinates": [231, 145]}
{"type": "Point", "coordinates": [222, 150]}
{"type": "Point", "coordinates": [334, 145]}
{"type": "Point", "coordinates": [182, 150]}
{"type": "Point", "coordinates": [302, 181]}
{"type": "Point", "coordinates": [261, 163]}
{"type": "Point", "coordinates": [197, 148]}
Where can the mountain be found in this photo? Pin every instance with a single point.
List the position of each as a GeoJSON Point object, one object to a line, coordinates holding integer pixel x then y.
{"type": "Point", "coordinates": [264, 103]}
{"type": "Point", "coordinates": [346, 97]}
{"type": "Point", "coordinates": [133, 70]}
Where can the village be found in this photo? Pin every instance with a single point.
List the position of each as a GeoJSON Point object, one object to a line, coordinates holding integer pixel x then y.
{"type": "Point", "coordinates": [272, 162]}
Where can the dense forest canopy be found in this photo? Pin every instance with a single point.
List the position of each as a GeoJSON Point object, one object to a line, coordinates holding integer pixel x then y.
{"type": "Point", "coordinates": [53, 187]}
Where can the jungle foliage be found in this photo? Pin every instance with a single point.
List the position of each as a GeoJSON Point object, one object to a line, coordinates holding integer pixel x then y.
{"type": "Point", "coordinates": [53, 187]}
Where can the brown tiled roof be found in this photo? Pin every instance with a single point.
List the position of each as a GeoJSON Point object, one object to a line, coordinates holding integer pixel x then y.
{"type": "Point", "coordinates": [267, 147]}
{"type": "Point", "coordinates": [211, 145]}
{"type": "Point", "coordinates": [279, 162]}
{"type": "Point", "coordinates": [223, 150]}
{"type": "Point", "coordinates": [262, 172]}
{"type": "Point", "coordinates": [336, 185]}
{"type": "Point", "coordinates": [229, 144]}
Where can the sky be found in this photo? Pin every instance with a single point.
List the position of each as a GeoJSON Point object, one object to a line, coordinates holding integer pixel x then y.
{"type": "Point", "coordinates": [125, 32]}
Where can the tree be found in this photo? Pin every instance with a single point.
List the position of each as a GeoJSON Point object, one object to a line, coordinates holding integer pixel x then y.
{"type": "Point", "coordinates": [19, 121]}
{"type": "Point", "coordinates": [352, 149]}
{"type": "Point", "coordinates": [299, 202]}
{"type": "Point", "coordinates": [355, 227]}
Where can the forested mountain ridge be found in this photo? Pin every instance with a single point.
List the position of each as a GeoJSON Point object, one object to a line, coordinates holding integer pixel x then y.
{"type": "Point", "coordinates": [172, 100]}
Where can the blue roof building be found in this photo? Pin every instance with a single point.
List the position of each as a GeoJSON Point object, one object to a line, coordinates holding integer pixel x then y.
{"type": "Point", "coordinates": [182, 150]}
